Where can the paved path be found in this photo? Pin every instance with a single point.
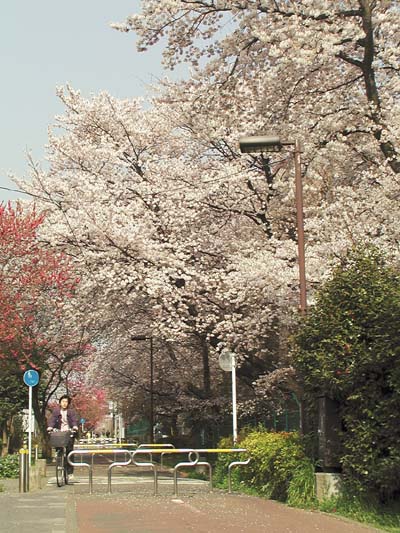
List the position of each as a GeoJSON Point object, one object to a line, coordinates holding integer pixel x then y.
{"type": "Point", "coordinates": [41, 511]}
{"type": "Point", "coordinates": [132, 509]}
{"type": "Point", "coordinates": [201, 513]}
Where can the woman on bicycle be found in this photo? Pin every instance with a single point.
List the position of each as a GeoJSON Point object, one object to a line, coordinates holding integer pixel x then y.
{"type": "Point", "coordinates": [64, 418]}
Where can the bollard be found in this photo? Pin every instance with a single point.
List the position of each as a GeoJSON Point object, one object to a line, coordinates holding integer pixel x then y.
{"type": "Point", "coordinates": [27, 470]}
{"type": "Point", "coordinates": [23, 470]}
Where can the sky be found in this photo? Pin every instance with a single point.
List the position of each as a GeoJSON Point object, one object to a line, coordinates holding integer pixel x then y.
{"type": "Point", "coordinates": [45, 44]}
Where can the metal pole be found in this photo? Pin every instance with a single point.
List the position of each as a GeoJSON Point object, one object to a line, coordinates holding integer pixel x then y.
{"type": "Point", "coordinates": [22, 466]}
{"type": "Point", "coordinates": [151, 392]}
{"type": "Point", "coordinates": [26, 472]}
{"type": "Point", "coordinates": [300, 228]}
{"type": "Point", "coordinates": [30, 426]}
{"type": "Point", "coordinates": [234, 412]}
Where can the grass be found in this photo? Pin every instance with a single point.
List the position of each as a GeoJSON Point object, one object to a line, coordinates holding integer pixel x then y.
{"type": "Point", "coordinates": [385, 517]}
{"type": "Point", "coordinates": [301, 491]}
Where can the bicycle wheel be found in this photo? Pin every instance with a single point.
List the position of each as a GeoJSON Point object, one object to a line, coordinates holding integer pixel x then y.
{"type": "Point", "coordinates": [60, 469]}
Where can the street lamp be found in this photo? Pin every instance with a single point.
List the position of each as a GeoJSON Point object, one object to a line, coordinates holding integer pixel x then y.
{"type": "Point", "coordinates": [272, 143]}
{"type": "Point", "coordinates": [149, 338]}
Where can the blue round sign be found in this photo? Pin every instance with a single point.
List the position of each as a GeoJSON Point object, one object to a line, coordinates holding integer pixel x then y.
{"type": "Point", "coordinates": [31, 378]}
{"type": "Point", "coordinates": [83, 420]}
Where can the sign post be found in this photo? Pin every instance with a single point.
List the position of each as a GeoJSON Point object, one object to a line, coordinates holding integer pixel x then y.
{"type": "Point", "coordinates": [227, 361]}
{"type": "Point", "coordinates": [83, 420]}
{"type": "Point", "coordinates": [31, 379]}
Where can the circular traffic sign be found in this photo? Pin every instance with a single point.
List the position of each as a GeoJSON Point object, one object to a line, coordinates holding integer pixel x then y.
{"type": "Point", "coordinates": [226, 360]}
{"type": "Point", "coordinates": [31, 378]}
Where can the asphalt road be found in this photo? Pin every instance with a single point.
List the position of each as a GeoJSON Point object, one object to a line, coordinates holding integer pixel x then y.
{"type": "Point", "coordinates": [132, 508]}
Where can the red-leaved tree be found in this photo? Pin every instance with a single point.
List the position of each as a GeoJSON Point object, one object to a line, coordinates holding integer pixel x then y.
{"type": "Point", "coordinates": [37, 328]}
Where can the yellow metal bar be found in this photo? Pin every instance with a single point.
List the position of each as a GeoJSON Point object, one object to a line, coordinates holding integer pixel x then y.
{"type": "Point", "coordinates": [223, 450]}
{"type": "Point", "coordinates": [187, 450]}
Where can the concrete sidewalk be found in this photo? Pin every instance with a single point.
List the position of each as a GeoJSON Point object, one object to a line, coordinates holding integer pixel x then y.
{"type": "Point", "coordinates": [39, 511]}
{"type": "Point", "coordinates": [133, 509]}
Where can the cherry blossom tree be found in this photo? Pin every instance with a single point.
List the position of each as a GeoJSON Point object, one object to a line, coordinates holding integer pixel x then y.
{"type": "Point", "coordinates": [183, 238]}
{"type": "Point", "coordinates": [322, 73]}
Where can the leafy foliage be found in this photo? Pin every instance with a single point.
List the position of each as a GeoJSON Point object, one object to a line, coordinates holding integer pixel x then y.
{"type": "Point", "coordinates": [279, 468]}
{"type": "Point", "coordinates": [275, 457]}
{"type": "Point", "coordinates": [349, 349]}
{"type": "Point", "coordinates": [9, 466]}
{"type": "Point", "coordinates": [12, 390]}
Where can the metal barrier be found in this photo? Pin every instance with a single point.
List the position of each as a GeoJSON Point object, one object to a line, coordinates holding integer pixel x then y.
{"type": "Point", "coordinates": [166, 451]}
{"type": "Point", "coordinates": [115, 463]}
{"type": "Point", "coordinates": [193, 456]}
{"type": "Point", "coordinates": [92, 453]}
{"type": "Point", "coordinates": [210, 476]}
{"type": "Point", "coordinates": [105, 446]}
{"type": "Point", "coordinates": [105, 442]}
{"type": "Point", "coordinates": [155, 446]}
{"type": "Point", "coordinates": [231, 465]}
{"type": "Point", "coordinates": [234, 463]}
{"type": "Point", "coordinates": [191, 462]}
{"type": "Point", "coordinates": [150, 465]}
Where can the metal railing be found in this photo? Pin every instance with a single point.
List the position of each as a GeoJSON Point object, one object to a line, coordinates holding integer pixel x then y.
{"type": "Point", "coordinates": [150, 465]}
{"type": "Point", "coordinates": [92, 453]}
{"type": "Point", "coordinates": [232, 465]}
{"type": "Point", "coordinates": [155, 446]}
{"type": "Point", "coordinates": [190, 462]}
{"type": "Point", "coordinates": [193, 460]}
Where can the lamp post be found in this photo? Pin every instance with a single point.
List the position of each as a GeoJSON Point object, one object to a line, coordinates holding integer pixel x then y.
{"type": "Point", "coordinates": [270, 143]}
{"type": "Point", "coordinates": [149, 338]}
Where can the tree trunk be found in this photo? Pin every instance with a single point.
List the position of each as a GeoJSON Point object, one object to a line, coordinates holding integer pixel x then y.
{"type": "Point", "coordinates": [5, 439]}
{"type": "Point", "coordinates": [206, 367]}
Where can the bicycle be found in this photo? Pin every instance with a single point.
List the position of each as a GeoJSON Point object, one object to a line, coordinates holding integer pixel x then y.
{"type": "Point", "coordinates": [60, 441]}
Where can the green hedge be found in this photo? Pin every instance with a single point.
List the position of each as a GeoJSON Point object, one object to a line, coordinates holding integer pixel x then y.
{"type": "Point", "coordinates": [348, 349]}
{"type": "Point", "coordinates": [9, 466]}
{"type": "Point", "coordinates": [279, 468]}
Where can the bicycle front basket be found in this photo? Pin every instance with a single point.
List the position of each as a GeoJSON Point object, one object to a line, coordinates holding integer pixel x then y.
{"type": "Point", "coordinates": [60, 439]}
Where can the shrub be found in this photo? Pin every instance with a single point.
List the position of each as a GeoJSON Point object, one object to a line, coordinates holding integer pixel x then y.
{"type": "Point", "coordinates": [349, 350]}
{"type": "Point", "coordinates": [275, 457]}
{"type": "Point", "coordinates": [278, 467]}
{"type": "Point", "coordinates": [9, 466]}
